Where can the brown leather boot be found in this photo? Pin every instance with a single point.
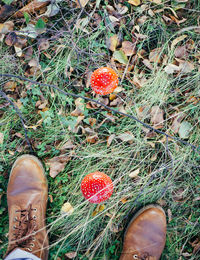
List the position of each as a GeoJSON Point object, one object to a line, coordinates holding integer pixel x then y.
{"type": "Point", "coordinates": [27, 200]}
{"type": "Point", "coordinates": [145, 236]}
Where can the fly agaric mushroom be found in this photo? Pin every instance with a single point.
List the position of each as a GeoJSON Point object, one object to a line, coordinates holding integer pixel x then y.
{"type": "Point", "coordinates": [96, 187]}
{"type": "Point", "coordinates": [104, 81]}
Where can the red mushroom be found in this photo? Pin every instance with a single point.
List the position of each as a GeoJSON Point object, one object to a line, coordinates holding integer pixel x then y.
{"type": "Point", "coordinates": [96, 187]}
{"type": "Point", "coordinates": [104, 80]}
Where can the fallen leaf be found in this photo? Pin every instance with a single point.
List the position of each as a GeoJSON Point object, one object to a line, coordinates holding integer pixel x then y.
{"type": "Point", "coordinates": [6, 27]}
{"type": "Point", "coordinates": [128, 48]}
{"type": "Point", "coordinates": [126, 137]}
{"type": "Point", "coordinates": [186, 67]}
{"type": "Point", "coordinates": [43, 44]}
{"type": "Point", "coordinates": [52, 10]}
{"type": "Point", "coordinates": [98, 209]}
{"type": "Point", "coordinates": [67, 209]}
{"type": "Point", "coordinates": [151, 13]}
{"type": "Point", "coordinates": [6, 11]}
{"type": "Point", "coordinates": [57, 164]}
{"type": "Point", "coordinates": [181, 52]}
{"type": "Point", "coordinates": [178, 22]}
{"type": "Point", "coordinates": [81, 3]}
{"type": "Point", "coordinates": [142, 112]}
{"type": "Point", "coordinates": [92, 139]}
{"type": "Point", "coordinates": [29, 31]}
{"type": "Point", "coordinates": [134, 173]}
{"type": "Point", "coordinates": [176, 122]}
{"type": "Point", "coordinates": [11, 39]}
{"type": "Point", "coordinates": [42, 104]}
{"type": "Point", "coordinates": [142, 19]}
{"type": "Point", "coordinates": [1, 138]}
{"type": "Point", "coordinates": [118, 90]}
{"type": "Point", "coordinates": [28, 53]}
{"type": "Point", "coordinates": [157, 117]}
{"type": "Point", "coordinates": [79, 111]}
{"type": "Point", "coordinates": [18, 51]}
{"type": "Point", "coordinates": [33, 63]}
{"type": "Point", "coordinates": [171, 68]}
{"type": "Point", "coordinates": [122, 9]}
{"type": "Point", "coordinates": [120, 57]}
{"type": "Point", "coordinates": [185, 129]}
{"type": "Point", "coordinates": [177, 40]}
{"type": "Point", "coordinates": [110, 139]}
{"type": "Point", "coordinates": [31, 8]}
{"type": "Point", "coordinates": [114, 20]}
{"type": "Point", "coordinates": [179, 195]}
{"type": "Point", "coordinates": [134, 2]}
{"type": "Point", "coordinates": [155, 56]}
{"type": "Point", "coordinates": [124, 200]}
{"type": "Point", "coordinates": [167, 19]}
{"type": "Point", "coordinates": [71, 255]}
{"type": "Point", "coordinates": [10, 86]}
{"type": "Point", "coordinates": [147, 64]}
{"type": "Point", "coordinates": [65, 146]}
{"type": "Point", "coordinates": [112, 42]}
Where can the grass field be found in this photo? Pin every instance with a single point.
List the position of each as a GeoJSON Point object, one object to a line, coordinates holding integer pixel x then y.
{"type": "Point", "coordinates": [168, 171]}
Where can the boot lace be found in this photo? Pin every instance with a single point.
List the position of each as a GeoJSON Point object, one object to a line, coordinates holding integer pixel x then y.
{"type": "Point", "coordinates": [25, 230]}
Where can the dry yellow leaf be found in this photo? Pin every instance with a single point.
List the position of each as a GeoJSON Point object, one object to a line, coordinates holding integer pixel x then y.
{"type": "Point", "coordinates": [67, 209]}
{"type": "Point", "coordinates": [134, 173]}
{"type": "Point", "coordinates": [134, 2]}
{"type": "Point", "coordinates": [98, 209]}
{"type": "Point", "coordinates": [177, 40]}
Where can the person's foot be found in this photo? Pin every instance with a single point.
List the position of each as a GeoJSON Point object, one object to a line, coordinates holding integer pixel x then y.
{"type": "Point", "coordinates": [146, 234]}
{"type": "Point", "coordinates": [27, 200]}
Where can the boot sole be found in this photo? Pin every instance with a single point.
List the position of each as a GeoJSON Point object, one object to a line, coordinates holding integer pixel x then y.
{"type": "Point", "coordinates": [141, 211]}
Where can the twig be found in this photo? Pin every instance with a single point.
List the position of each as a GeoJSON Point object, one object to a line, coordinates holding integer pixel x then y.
{"type": "Point", "coordinates": [195, 148]}
{"type": "Point", "coordinates": [21, 118]}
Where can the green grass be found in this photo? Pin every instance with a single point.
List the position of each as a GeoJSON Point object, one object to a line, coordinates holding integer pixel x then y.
{"type": "Point", "coordinates": [101, 236]}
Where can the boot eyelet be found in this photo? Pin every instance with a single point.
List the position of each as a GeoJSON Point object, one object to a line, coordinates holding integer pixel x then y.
{"type": "Point", "coordinates": [34, 217]}
{"type": "Point", "coordinates": [29, 249]}
{"type": "Point", "coordinates": [15, 219]}
{"type": "Point", "coordinates": [35, 210]}
{"type": "Point", "coordinates": [14, 227]}
{"type": "Point", "coordinates": [32, 245]}
{"type": "Point", "coordinates": [135, 256]}
{"type": "Point", "coordinates": [33, 239]}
